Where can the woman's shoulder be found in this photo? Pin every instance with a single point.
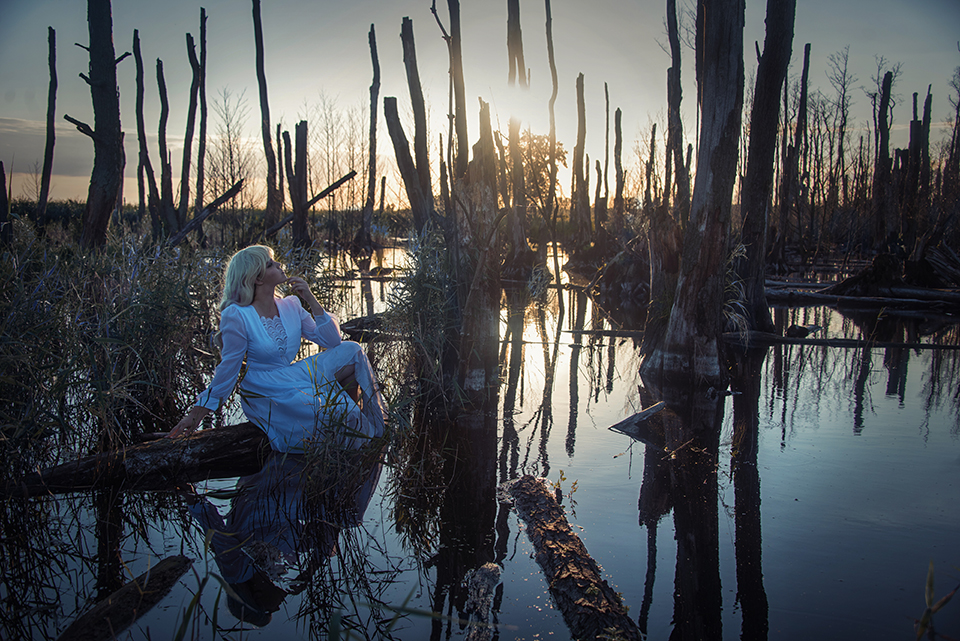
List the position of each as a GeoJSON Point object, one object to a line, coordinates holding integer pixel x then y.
{"type": "Point", "coordinates": [233, 313]}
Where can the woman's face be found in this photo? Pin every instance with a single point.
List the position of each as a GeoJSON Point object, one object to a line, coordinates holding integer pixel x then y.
{"type": "Point", "coordinates": [273, 274]}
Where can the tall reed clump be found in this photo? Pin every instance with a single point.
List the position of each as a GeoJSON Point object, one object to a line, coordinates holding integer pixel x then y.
{"type": "Point", "coordinates": [97, 348]}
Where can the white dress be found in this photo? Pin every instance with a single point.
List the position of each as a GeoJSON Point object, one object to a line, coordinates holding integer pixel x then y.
{"type": "Point", "coordinates": [300, 402]}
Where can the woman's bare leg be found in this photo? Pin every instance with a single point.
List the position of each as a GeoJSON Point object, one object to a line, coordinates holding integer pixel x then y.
{"type": "Point", "coordinates": [346, 376]}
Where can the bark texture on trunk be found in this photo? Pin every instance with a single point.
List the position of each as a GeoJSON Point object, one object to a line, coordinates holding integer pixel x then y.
{"type": "Point", "coordinates": [590, 607]}
{"type": "Point", "coordinates": [222, 452]}
{"type": "Point", "coordinates": [758, 182]}
{"type": "Point", "coordinates": [691, 347]}
{"type": "Point", "coordinates": [107, 137]}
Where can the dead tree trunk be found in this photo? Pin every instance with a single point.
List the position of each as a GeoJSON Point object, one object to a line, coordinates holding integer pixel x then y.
{"type": "Point", "coordinates": [419, 114]}
{"type": "Point", "coordinates": [405, 164]}
{"type": "Point", "coordinates": [551, 208]}
{"type": "Point", "coordinates": [51, 116]}
{"type": "Point", "coordinates": [882, 171]}
{"type": "Point", "coordinates": [757, 184]}
{"type": "Point", "coordinates": [521, 257]}
{"type": "Point", "coordinates": [151, 199]}
{"type": "Point", "coordinates": [363, 240]}
{"type": "Point", "coordinates": [790, 186]}
{"type": "Point", "coordinates": [618, 204]}
{"type": "Point", "coordinates": [6, 232]}
{"type": "Point", "coordinates": [297, 183]}
{"type": "Point", "coordinates": [579, 201]}
{"type": "Point", "coordinates": [460, 101]}
{"type": "Point", "coordinates": [188, 135]}
{"type": "Point", "coordinates": [202, 137]}
{"type": "Point", "coordinates": [167, 212]}
{"type": "Point", "coordinates": [691, 347]}
{"type": "Point", "coordinates": [106, 135]}
{"type": "Point", "coordinates": [515, 45]}
{"type": "Point", "coordinates": [674, 150]}
{"type": "Point", "coordinates": [274, 201]}
{"type": "Point", "coordinates": [590, 607]}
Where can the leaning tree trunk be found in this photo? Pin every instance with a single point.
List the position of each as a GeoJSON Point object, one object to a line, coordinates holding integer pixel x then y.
{"type": "Point", "coordinates": [691, 347]}
{"type": "Point", "coordinates": [107, 137]}
{"type": "Point", "coordinates": [51, 116]}
{"type": "Point", "coordinates": [405, 164]}
{"type": "Point", "coordinates": [274, 199]}
{"type": "Point", "coordinates": [757, 184]}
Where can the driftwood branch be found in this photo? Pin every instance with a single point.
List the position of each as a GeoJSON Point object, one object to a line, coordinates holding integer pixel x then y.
{"type": "Point", "coordinates": [197, 220]}
{"type": "Point", "coordinates": [224, 452]}
{"type": "Point", "coordinates": [121, 609]}
{"type": "Point", "coordinates": [590, 607]}
{"type": "Point", "coordinates": [310, 203]}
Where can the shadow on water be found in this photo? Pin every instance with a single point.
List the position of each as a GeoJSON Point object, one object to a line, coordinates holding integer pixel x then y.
{"type": "Point", "coordinates": [847, 444]}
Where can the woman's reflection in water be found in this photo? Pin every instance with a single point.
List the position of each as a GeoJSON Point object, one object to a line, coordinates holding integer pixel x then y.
{"type": "Point", "coordinates": [283, 523]}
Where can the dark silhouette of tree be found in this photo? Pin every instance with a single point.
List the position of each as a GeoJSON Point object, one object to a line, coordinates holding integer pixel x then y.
{"type": "Point", "coordinates": [758, 181]}
{"type": "Point", "coordinates": [51, 134]}
{"type": "Point", "coordinates": [107, 138]}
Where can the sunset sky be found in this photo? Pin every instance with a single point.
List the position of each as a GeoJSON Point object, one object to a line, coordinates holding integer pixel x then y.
{"type": "Point", "coordinates": [320, 48]}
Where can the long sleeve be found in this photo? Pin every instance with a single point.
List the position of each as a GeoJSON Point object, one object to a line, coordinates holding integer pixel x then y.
{"type": "Point", "coordinates": [234, 336]}
{"type": "Point", "coordinates": [324, 331]}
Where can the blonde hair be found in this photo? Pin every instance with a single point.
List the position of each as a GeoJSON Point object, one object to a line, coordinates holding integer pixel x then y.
{"type": "Point", "coordinates": [243, 269]}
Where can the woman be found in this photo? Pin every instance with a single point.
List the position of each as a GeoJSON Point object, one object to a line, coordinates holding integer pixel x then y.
{"type": "Point", "coordinates": [294, 403]}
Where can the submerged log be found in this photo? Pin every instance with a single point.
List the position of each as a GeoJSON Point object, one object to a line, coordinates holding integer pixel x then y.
{"type": "Point", "coordinates": [590, 607]}
{"type": "Point", "coordinates": [644, 426]}
{"type": "Point", "coordinates": [121, 609]}
{"type": "Point", "coordinates": [223, 452]}
{"type": "Point", "coordinates": [755, 339]}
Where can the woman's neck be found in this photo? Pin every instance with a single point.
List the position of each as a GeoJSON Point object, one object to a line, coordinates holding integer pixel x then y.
{"type": "Point", "coordinates": [264, 302]}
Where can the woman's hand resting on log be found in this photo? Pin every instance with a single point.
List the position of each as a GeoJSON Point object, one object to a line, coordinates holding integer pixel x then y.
{"type": "Point", "coordinates": [189, 423]}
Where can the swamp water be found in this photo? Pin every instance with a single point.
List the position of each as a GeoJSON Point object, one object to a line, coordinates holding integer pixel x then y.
{"type": "Point", "coordinates": [813, 510]}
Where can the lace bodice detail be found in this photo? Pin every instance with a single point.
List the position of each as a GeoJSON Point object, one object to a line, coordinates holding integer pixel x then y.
{"type": "Point", "coordinates": [274, 327]}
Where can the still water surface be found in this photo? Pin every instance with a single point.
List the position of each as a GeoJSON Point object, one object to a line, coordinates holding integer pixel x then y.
{"type": "Point", "coordinates": [835, 514]}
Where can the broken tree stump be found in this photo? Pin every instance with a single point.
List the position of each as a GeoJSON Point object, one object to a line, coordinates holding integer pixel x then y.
{"type": "Point", "coordinates": [589, 606]}
{"type": "Point", "coordinates": [223, 452]}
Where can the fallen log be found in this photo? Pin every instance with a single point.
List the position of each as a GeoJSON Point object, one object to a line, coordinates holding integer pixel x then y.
{"type": "Point", "coordinates": [120, 610]}
{"type": "Point", "coordinates": [223, 452]}
{"type": "Point", "coordinates": [908, 297]}
{"type": "Point", "coordinates": [590, 607]}
{"type": "Point", "coordinates": [755, 339]}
